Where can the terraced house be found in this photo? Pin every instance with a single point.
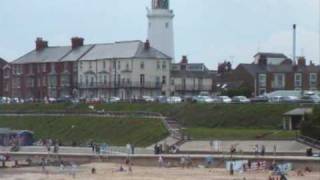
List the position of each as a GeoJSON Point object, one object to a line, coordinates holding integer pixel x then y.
{"type": "Point", "coordinates": [270, 72]}
{"type": "Point", "coordinates": [128, 69]}
{"type": "Point", "coordinates": [190, 79]}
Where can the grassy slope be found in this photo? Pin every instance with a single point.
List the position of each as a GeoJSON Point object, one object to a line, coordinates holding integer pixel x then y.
{"type": "Point", "coordinates": [191, 115]}
{"type": "Point", "coordinates": [141, 132]}
{"type": "Point", "coordinates": [202, 120]}
{"type": "Point", "coordinates": [239, 134]}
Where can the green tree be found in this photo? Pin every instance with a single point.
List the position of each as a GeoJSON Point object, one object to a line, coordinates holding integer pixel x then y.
{"type": "Point", "coordinates": [311, 126]}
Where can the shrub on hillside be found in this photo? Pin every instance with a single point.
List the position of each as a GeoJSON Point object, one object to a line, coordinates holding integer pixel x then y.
{"type": "Point", "coordinates": [311, 126]}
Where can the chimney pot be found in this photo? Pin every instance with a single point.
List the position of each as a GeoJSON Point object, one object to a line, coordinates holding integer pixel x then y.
{"type": "Point", "coordinates": [301, 61]}
{"type": "Point", "coordinates": [184, 60]}
{"type": "Point", "coordinates": [147, 44]}
{"type": "Point", "coordinates": [41, 44]}
{"type": "Point", "coordinates": [76, 42]}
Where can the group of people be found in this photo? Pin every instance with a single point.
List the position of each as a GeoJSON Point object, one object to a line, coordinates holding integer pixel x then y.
{"type": "Point", "coordinates": [165, 149]}
{"type": "Point", "coordinates": [185, 162]}
{"type": "Point", "coordinates": [48, 143]}
{"type": "Point", "coordinates": [257, 149]}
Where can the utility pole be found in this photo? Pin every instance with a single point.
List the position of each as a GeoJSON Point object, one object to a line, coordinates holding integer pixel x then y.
{"type": "Point", "coordinates": [319, 32]}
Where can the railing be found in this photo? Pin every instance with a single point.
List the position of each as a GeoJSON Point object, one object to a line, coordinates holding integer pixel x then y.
{"type": "Point", "coordinates": [309, 141]}
{"type": "Point", "coordinates": [113, 85]}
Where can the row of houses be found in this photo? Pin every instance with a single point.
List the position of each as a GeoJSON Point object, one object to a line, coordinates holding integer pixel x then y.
{"type": "Point", "coordinates": [128, 69]}
{"type": "Point", "coordinates": [132, 69]}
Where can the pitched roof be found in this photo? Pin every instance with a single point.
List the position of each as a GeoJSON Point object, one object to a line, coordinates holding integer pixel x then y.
{"type": "Point", "coordinates": [77, 53]}
{"type": "Point", "coordinates": [119, 50]}
{"type": "Point", "coordinates": [253, 69]}
{"type": "Point", "coordinates": [50, 54]}
{"type": "Point", "coordinates": [270, 55]}
{"type": "Point", "coordinates": [298, 112]}
{"type": "Point", "coordinates": [123, 50]}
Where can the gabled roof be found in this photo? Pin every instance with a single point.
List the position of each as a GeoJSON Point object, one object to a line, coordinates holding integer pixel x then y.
{"type": "Point", "coordinates": [123, 50]}
{"type": "Point", "coordinates": [50, 54]}
{"type": "Point", "coordinates": [77, 53]}
{"type": "Point", "coordinates": [298, 112]}
{"type": "Point", "coordinates": [270, 55]}
{"type": "Point", "coordinates": [118, 50]}
{"type": "Point", "coordinates": [254, 69]}
{"type": "Point", "coordinates": [2, 61]}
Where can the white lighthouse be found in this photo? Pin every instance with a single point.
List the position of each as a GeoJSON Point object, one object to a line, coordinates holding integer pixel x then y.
{"type": "Point", "coordinates": [160, 28]}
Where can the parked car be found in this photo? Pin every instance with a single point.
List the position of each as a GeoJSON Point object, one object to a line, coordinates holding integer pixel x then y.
{"type": "Point", "coordinates": [276, 99]}
{"type": "Point", "coordinates": [161, 99]}
{"type": "Point", "coordinates": [259, 99]}
{"type": "Point", "coordinates": [224, 99]}
{"type": "Point", "coordinates": [174, 100]}
{"type": "Point", "coordinates": [203, 99]}
{"type": "Point", "coordinates": [290, 99]}
{"type": "Point", "coordinates": [310, 99]}
{"type": "Point", "coordinates": [114, 99]}
{"type": "Point", "coordinates": [240, 99]}
{"type": "Point", "coordinates": [148, 99]}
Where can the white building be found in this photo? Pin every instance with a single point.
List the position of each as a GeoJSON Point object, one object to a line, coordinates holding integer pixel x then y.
{"type": "Point", "coordinates": [160, 27]}
{"type": "Point", "coordinates": [129, 70]}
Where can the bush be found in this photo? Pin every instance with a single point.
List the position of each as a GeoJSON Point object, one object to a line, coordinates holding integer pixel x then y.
{"type": "Point", "coordinates": [311, 126]}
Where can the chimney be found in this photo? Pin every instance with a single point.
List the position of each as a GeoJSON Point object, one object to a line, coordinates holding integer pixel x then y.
{"type": "Point", "coordinates": [147, 44]}
{"type": "Point", "coordinates": [76, 42]}
{"type": "Point", "coordinates": [262, 61]}
{"type": "Point", "coordinates": [41, 44]}
{"type": "Point", "coordinates": [301, 61]}
{"type": "Point", "coordinates": [184, 60]}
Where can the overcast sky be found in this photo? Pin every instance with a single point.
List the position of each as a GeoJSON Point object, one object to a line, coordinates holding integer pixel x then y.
{"type": "Point", "coordinates": [208, 31]}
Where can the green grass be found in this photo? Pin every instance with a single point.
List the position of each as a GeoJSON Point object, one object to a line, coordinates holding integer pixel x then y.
{"type": "Point", "coordinates": [239, 134]}
{"type": "Point", "coordinates": [261, 116]}
{"type": "Point", "coordinates": [120, 131]}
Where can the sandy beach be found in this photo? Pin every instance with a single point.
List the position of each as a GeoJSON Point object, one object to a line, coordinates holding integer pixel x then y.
{"type": "Point", "coordinates": [109, 171]}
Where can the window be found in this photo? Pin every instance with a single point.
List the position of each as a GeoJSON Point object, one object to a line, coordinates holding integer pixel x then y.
{"type": "Point", "coordinates": [164, 65]}
{"type": "Point", "coordinates": [313, 80]}
{"type": "Point", "coordinates": [142, 65]}
{"type": "Point", "coordinates": [157, 81]}
{"type": "Point", "coordinates": [119, 78]}
{"type": "Point", "coordinates": [127, 66]}
{"type": "Point", "coordinates": [172, 82]}
{"type": "Point", "coordinates": [65, 67]}
{"type": "Point", "coordinates": [114, 64]}
{"type": "Point", "coordinates": [104, 64]}
{"type": "Point", "coordinates": [43, 67]}
{"type": "Point", "coordinates": [119, 65]}
{"type": "Point", "coordinates": [104, 79]}
{"type": "Point", "coordinates": [81, 79]}
{"type": "Point", "coordinates": [167, 24]}
{"type": "Point", "coordinates": [158, 65]}
{"type": "Point", "coordinates": [164, 79]}
{"type": "Point", "coordinates": [262, 80]}
{"type": "Point", "coordinates": [87, 80]}
{"type": "Point", "coordinates": [92, 81]}
{"type": "Point", "coordinates": [297, 80]}
{"type": "Point", "coordinates": [81, 63]}
{"type": "Point", "coordinates": [142, 79]}
{"type": "Point", "coordinates": [90, 65]}
{"type": "Point", "coordinates": [279, 81]}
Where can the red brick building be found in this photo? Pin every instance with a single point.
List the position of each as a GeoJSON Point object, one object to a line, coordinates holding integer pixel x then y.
{"type": "Point", "coordinates": [2, 64]}
{"type": "Point", "coordinates": [270, 72]}
{"type": "Point", "coordinates": [44, 72]}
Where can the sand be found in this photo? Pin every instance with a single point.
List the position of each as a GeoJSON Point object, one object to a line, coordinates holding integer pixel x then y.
{"type": "Point", "coordinates": [106, 171]}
